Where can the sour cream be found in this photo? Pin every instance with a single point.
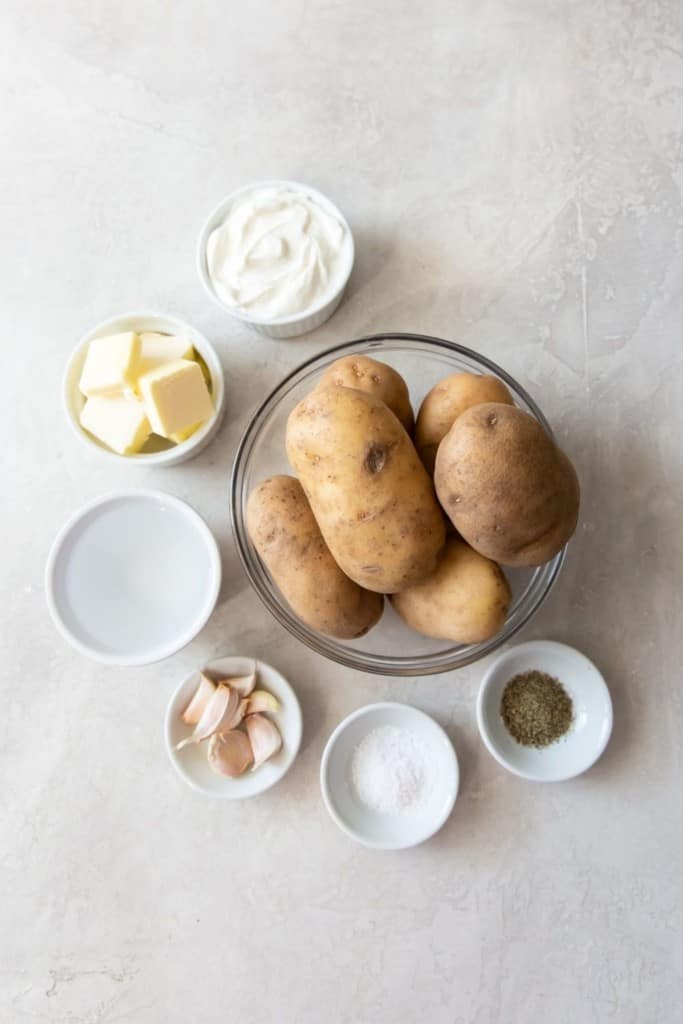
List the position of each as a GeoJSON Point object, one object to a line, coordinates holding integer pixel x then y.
{"type": "Point", "coordinates": [277, 253]}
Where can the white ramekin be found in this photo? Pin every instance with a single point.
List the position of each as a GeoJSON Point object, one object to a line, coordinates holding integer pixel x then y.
{"type": "Point", "coordinates": [286, 326]}
{"type": "Point", "coordinates": [112, 562]}
{"type": "Point", "coordinates": [74, 400]}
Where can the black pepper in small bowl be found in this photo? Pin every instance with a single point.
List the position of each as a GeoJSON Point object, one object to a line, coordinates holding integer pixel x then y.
{"type": "Point", "coordinates": [536, 709]}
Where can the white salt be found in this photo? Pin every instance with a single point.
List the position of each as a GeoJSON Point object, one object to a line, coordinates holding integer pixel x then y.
{"type": "Point", "coordinates": [389, 771]}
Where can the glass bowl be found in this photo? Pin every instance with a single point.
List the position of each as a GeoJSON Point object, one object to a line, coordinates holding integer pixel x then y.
{"type": "Point", "coordinates": [391, 647]}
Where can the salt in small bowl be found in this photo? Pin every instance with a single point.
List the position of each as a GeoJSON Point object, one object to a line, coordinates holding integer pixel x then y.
{"type": "Point", "coordinates": [372, 828]}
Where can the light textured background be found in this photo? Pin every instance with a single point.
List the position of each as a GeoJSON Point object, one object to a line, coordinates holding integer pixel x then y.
{"type": "Point", "coordinates": [512, 172]}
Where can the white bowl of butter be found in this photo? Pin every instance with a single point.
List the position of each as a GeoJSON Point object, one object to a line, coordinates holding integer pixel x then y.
{"type": "Point", "coordinates": [276, 255]}
{"type": "Point", "coordinates": [132, 382]}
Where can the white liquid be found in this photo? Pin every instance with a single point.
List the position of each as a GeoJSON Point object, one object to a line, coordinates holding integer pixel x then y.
{"type": "Point", "coordinates": [134, 575]}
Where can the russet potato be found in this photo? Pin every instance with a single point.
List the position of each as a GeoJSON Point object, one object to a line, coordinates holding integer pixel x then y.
{"type": "Point", "coordinates": [369, 492]}
{"type": "Point", "coordinates": [446, 401]}
{"type": "Point", "coordinates": [510, 492]}
{"type": "Point", "coordinates": [466, 599]}
{"type": "Point", "coordinates": [378, 379]}
{"type": "Point", "coordinates": [283, 530]}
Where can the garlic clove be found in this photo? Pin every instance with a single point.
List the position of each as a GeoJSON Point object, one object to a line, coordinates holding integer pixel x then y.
{"type": "Point", "coordinates": [261, 700]}
{"type": "Point", "coordinates": [194, 710]}
{"type": "Point", "coordinates": [230, 753]}
{"type": "Point", "coordinates": [264, 737]}
{"type": "Point", "coordinates": [243, 684]}
{"type": "Point", "coordinates": [218, 713]}
{"type": "Point", "coordinates": [240, 712]}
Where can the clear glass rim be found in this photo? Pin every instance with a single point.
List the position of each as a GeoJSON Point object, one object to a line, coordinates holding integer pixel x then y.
{"type": "Point", "coordinates": [457, 656]}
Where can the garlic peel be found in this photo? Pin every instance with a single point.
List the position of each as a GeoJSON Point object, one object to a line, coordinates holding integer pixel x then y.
{"type": "Point", "coordinates": [243, 684]}
{"type": "Point", "coordinates": [218, 713]}
{"type": "Point", "coordinates": [264, 737]}
{"type": "Point", "coordinates": [202, 695]}
{"type": "Point", "coordinates": [261, 700]}
{"type": "Point", "coordinates": [230, 753]}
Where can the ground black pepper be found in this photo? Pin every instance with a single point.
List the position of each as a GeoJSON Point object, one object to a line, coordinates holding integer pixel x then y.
{"type": "Point", "coordinates": [536, 709]}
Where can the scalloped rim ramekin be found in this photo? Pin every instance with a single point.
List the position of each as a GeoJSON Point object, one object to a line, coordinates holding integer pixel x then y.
{"type": "Point", "coordinates": [286, 326]}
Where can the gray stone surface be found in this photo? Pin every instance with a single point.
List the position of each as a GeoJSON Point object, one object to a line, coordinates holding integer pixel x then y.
{"type": "Point", "coordinates": [512, 173]}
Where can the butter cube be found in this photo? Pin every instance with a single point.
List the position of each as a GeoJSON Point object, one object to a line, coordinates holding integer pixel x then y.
{"type": "Point", "coordinates": [175, 397]}
{"type": "Point", "coordinates": [156, 349]}
{"type": "Point", "coordinates": [111, 364]}
{"type": "Point", "coordinates": [182, 435]}
{"type": "Point", "coordinates": [117, 421]}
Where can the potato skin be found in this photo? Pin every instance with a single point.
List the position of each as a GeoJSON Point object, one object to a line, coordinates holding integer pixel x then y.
{"type": "Point", "coordinates": [283, 530]}
{"type": "Point", "coordinates": [370, 494]}
{"type": "Point", "coordinates": [466, 599]}
{"type": "Point", "coordinates": [510, 492]}
{"type": "Point", "coordinates": [446, 401]}
{"type": "Point", "coordinates": [378, 379]}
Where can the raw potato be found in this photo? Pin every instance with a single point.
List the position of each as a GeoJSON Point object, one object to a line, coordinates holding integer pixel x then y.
{"type": "Point", "coordinates": [446, 401]}
{"type": "Point", "coordinates": [378, 379]}
{"type": "Point", "coordinates": [369, 492]}
{"type": "Point", "coordinates": [508, 489]}
{"type": "Point", "coordinates": [466, 599]}
{"type": "Point", "coordinates": [285, 534]}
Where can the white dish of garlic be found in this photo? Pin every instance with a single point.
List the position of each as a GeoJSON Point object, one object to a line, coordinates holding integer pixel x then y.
{"type": "Point", "coordinates": [233, 728]}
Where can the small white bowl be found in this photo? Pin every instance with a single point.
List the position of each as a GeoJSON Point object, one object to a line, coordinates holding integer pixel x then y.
{"type": "Point", "coordinates": [132, 577]}
{"type": "Point", "coordinates": [590, 730]}
{"type": "Point", "coordinates": [74, 400]}
{"type": "Point", "coordinates": [372, 828]}
{"type": "Point", "coordinates": [191, 762]}
{"type": "Point", "coordinates": [297, 323]}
